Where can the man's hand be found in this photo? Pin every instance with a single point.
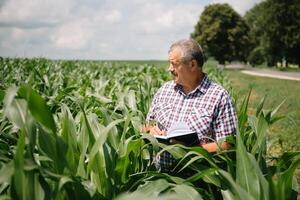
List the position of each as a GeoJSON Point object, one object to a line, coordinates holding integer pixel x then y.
{"type": "Point", "coordinates": [156, 131]}
{"type": "Point", "coordinates": [153, 130]}
{"type": "Point", "coordinates": [213, 147]}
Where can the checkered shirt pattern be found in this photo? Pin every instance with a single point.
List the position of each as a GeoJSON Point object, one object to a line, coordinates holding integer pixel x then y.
{"type": "Point", "coordinates": [207, 110]}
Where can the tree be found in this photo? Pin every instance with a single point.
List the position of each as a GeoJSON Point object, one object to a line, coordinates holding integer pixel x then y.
{"type": "Point", "coordinates": [223, 33]}
{"type": "Point", "coordinates": [275, 24]}
{"type": "Point", "coordinates": [254, 19]}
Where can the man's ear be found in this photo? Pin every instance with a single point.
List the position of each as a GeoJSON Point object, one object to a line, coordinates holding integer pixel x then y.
{"type": "Point", "coordinates": [194, 64]}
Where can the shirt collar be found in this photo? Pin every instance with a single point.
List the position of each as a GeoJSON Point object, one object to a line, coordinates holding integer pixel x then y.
{"type": "Point", "coordinates": [202, 87]}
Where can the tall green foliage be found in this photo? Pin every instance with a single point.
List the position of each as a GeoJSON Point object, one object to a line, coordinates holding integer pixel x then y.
{"type": "Point", "coordinates": [274, 26]}
{"type": "Point", "coordinates": [223, 33]}
{"type": "Point", "coordinates": [70, 130]}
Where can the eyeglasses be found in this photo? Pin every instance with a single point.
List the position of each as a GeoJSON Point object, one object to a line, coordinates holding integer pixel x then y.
{"type": "Point", "coordinates": [175, 64]}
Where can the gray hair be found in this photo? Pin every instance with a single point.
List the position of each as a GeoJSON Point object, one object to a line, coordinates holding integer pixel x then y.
{"type": "Point", "coordinates": [190, 49]}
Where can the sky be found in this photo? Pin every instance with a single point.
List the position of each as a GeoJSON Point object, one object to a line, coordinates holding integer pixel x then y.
{"type": "Point", "coordinates": [99, 29]}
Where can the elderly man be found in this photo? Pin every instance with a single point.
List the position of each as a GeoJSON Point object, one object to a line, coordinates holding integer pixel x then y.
{"type": "Point", "coordinates": [194, 99]}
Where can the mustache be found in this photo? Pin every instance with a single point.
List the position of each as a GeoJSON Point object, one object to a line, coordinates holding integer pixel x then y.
{"type": "Point", "coordinates": [173, 73]}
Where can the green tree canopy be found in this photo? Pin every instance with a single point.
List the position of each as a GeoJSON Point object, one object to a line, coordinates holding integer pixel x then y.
{"type": "Point", "coordinates": [223, 33]}
{"type": "Point", "coordinates": [254, 19]}
{"type": "Point", "coordinates": [275, 26]}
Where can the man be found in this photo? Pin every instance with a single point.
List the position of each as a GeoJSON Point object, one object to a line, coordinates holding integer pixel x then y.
{"type": "Point", "coordinates": [192, 98]}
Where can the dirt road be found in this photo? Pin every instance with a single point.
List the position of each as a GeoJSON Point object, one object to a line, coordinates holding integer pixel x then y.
{"type": "Point", "coordinates": [265, 72]}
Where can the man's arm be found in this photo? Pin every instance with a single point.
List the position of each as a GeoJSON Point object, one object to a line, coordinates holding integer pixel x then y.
{"type": "Point", "coordinates": [210, 147]}
{"type": "Point", "coordinates": [225, 124]}
{"type": "Point", "coordinates": [213, 146]}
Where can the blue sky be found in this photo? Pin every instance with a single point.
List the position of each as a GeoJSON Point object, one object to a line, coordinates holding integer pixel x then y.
{"type": "Point", "coordinates": [99, 29]}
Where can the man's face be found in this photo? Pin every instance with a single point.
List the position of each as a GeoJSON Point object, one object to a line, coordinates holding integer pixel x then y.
{"type": "Point", "coordinates": [181, 72]}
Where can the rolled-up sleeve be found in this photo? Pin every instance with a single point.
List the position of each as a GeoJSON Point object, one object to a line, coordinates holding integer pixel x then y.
{"type": "Point", "coordinates": [225, 122]}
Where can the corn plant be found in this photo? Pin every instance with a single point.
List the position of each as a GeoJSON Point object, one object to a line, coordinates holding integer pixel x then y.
{"type": "Point", "coordinates": [71, 130]}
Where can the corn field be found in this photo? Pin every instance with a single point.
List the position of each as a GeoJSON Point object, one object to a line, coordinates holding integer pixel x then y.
{"type": "Point", "coordinates": [71, 130]}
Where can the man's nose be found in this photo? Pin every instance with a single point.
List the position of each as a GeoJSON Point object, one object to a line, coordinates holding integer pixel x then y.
{"type": "Point", "coordinates": [171, 68]}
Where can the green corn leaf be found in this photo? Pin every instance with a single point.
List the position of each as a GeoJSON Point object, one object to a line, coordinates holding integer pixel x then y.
{"type": "Point", "coordinates": [69, 137]}
{"type": "Point", "coordinates": [186, 192]}
{"type": "Point", "coordinates": [126, 127]}
{"type": "Point", "coordinates": [248, 173]}
{"type": "Point", "coordinates": [84, 135]}
{"type": "Point", "coordinates": [102, 138]}
{"type": "Point", "coordinates": [47, 145]}
{"type": "Point", "coordinates": [153, 141]}
{"type": "Point", "coordinates": [200, 153]}
{"type": "Point", "coordinates": [205, 174]}
{"type": "Point", "coordinates": [261, 129]}
{"type": "Point", "coordinates": [35, 190]}
{"type": "Point", "coordinates": [233, 189]}
{"type": "Point", "coordinates": [97, 161]}
{"type": "Point", "coordinates": [286, 160]}
{"type": "Point", "coordinates": [102, 99]}
{"type": "Point", "coordinates": [227, 195]}
{"type": "Point", "coordinates": [276, 109]}
{"type": "Point", "coordinates": [242, 113]}
{"type": "Point", "coordinates": [38, 107]}
{"type": "Point", "coordinates": [88, 129]}
{"type": "Point", "coordinates": [61, 152]}
{"type": "Point", "coordinates": [175, 150]}
{"type": "Point", "coordinates": [131, 100]}
{"type": "Point", "coordinates": [6, 172]}
{"type": "Point", "coordinates": [190, 162]}
{"type": "Point", "coordinates": [19, 182]}
{"type": "Point", "coordinates": [260, 106]}
{"type": "Point", "coordinates": [2, 94]}
{"type": "Point", "coordinates": [154, 188]}
{"type": "Point", "coordinates": [76, 191]}
{"type": "Point", "coordinates": [285, 183]}
{"type": "Point", "coordinates": [131, 150]}
{"type": "Point", "coordinates": [63, 180]}
{"type": "Point", "coordinates": [15, 109]}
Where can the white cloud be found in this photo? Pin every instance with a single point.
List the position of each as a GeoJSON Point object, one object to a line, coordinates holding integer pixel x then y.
{"type": "Point", "coordinates": [22, 10]}
{"type": "Point", "coordinates": [113, 16]}
{"type": "Point", "coordinates": [73, 35]}
{"type": "Point", "coordinates": [99, 29]}
{"type": "Point", "coordinates": [168, 18]}
{"type": "Point", "coordinates": [106, 17]}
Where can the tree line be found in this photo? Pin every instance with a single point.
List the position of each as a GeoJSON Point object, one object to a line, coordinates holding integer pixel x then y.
{"type": "Point", "coordinates": [267, 34]}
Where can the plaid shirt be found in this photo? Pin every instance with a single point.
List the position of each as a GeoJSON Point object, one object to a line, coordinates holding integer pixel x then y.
{"type": "Point", "coordinates": [207, 110]}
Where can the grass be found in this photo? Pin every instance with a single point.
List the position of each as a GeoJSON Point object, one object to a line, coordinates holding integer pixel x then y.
{"type": "Point", "coordinates": [286, 132]}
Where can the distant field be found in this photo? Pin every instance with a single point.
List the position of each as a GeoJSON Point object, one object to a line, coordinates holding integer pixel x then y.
{"type": "Point", "coordinates": [287, 130]}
